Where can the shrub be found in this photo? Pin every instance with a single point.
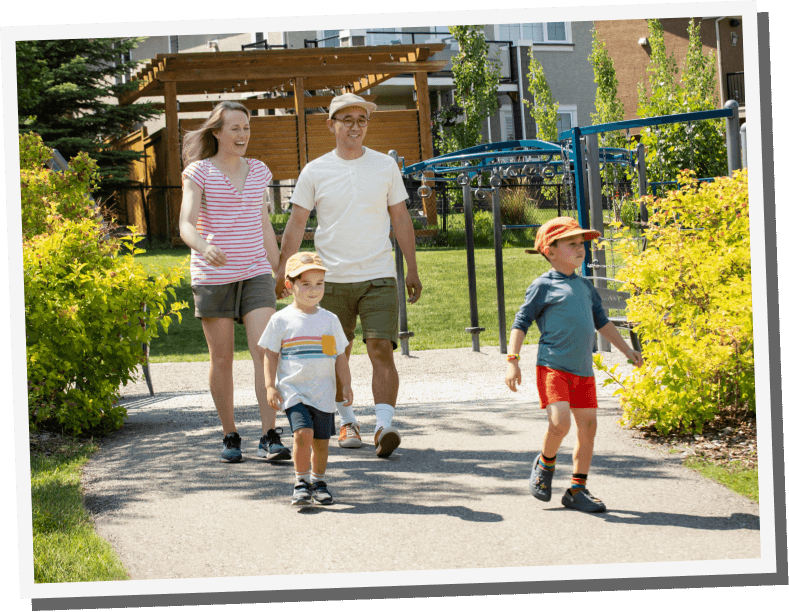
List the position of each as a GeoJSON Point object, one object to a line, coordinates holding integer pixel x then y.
{"type": "Point", "coordinates": [88, 307]}
{"type": "Point", "coordinates": [691, 300]}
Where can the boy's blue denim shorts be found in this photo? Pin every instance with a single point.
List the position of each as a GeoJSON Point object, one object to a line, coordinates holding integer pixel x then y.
{"type": "Point", "coordinates": [301, 416]}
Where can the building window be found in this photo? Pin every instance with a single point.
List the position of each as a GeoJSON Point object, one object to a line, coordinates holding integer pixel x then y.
{"type": "Point", "coordinates": [173, 44]}
{"type": "Point", "coordinates": [331, 38]}
{"type": "Point", "coordinates": [382, 36]}
{"type": "Point", "coordinates": [507, 121]}
{"type": "Point", "coordinates": [545, 32]}
{"type": "Point", "coordinates": [568, 117]}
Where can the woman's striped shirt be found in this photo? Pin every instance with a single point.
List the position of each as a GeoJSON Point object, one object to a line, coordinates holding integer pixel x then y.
{"type": "Point", "coordinates": [234, 219]}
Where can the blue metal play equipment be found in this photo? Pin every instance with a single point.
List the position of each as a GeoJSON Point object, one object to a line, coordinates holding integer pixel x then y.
{"type": "Point", "coordinates": [489, 165]}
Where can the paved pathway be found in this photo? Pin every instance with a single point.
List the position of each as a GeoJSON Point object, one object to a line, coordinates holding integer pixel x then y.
{"type": "Point", "coordinates": [455, 495]}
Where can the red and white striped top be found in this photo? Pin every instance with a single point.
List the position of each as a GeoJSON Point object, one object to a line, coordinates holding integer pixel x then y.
{"type": "Point", "coordinates": [235, 221]}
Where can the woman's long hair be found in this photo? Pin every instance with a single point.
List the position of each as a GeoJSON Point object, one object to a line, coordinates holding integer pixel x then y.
{"type": "Point", "coordinates": [201, 143]}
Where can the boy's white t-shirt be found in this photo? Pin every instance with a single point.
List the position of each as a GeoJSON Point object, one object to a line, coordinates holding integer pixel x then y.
{"type": "Point", "coordinates": [352, 199]}
{"type": "Point", "coordinates": [308, 345]}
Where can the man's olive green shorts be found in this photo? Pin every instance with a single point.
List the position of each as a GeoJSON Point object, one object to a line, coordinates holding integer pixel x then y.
{"type": "Point", "coordinates": [234, 300]}
{"type": "Point", "coordinates": [374, 302]}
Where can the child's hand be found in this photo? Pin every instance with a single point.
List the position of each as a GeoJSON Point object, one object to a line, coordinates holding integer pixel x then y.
{"type": "Point", "coordinates": [273, 397]}
{"type": "Point", "coordinates": [513, 377]}
{"type": "Point", "coordinates": [347, 395]}
{"type": "Point", "coordinates": [635, 357]}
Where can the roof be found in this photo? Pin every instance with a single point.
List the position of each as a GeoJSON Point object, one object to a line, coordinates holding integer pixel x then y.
{"type": "Point", "coordinates": [355, 68]}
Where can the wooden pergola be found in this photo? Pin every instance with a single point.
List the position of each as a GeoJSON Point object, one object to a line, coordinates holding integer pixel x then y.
{"type": "Point", "coordinates": [280, 72]}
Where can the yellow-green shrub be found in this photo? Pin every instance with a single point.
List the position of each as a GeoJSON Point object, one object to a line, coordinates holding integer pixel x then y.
{"type": "Point", "coordinates": [691, 299]}
{"type": "Point", "coordinates": [88, 308]}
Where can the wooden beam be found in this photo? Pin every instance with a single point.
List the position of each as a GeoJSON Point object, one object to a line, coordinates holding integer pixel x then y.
{"type": "Point", "coordinates": [173, 154]}
{"type": "Point", "coordinates": [301, 124]}
{"type": "Point", "coordinates": [206, 76]}
{"type": "Point", "coordinates": [258, 104]}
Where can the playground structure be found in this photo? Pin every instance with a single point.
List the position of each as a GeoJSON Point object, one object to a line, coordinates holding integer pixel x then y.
{"type": "Point", "coordinates": [573, 157]}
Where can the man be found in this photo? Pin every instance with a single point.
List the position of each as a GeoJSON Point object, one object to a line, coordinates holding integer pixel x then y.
{"type": "Point", "coordinates": [357, 194]}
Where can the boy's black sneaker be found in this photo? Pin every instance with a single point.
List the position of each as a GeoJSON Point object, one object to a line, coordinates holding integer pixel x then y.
{"type": "Point", "coordinates": [231, 451]}
{"type": "Point", "coordinates": [302, 494]}
{"type": "Point", "coordinates": [271, 447]}
{"type": "Point", "coordinates": [583, 500]}
{"type": "Point", "coordinates": [320, 494]}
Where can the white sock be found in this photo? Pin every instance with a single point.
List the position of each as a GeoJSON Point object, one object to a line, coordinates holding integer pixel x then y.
{"type": "Point", "coordinates": [383, 415]}
{"type": "Point", "coordinates": [346, 413]}
{"type": "Point", "coordinates": [317, 477]}
{"type": "Point", "coordinates": [302, 476]}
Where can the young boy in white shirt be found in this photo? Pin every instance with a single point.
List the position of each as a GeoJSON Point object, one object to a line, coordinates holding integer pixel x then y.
{"type": "Point", "coordinates": [305, 349]}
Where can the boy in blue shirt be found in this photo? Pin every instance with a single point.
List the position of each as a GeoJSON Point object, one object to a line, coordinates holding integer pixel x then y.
{"type": "Point", "coordinates": [567, 310]}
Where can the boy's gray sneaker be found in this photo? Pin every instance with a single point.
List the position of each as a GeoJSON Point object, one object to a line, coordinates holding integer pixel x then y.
{"type": "Point", "coordinates": [302, 494]}
{"type": "Point", "coordinates": [540, 481]}
{"type": "Point", "coordinates": [271, 447]}
{"type": "Point", "coordinates": [583, 501]}
{"type": "Point", "coordinates": [320, 494]}
{"type": "Point", "coordinates": [231, 448]}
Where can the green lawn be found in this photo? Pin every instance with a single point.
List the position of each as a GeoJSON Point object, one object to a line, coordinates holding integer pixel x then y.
{"type": "Point", "coordinates": [732, 476]}
{"type": "Point", "coordinates": [438, 319]}
{"type": "Point", "coordinates": [65, 545]}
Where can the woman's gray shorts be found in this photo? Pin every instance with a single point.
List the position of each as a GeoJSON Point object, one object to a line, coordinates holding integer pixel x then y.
{"type": "Point", "coordinates": [234, 300]}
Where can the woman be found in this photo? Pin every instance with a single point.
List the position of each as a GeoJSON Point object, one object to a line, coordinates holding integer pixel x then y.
{"type": "Point", "coordinates": [234, 250]}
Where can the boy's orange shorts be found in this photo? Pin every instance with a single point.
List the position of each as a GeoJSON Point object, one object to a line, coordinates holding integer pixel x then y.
{"type": "Point", "coordinates": [557, 386]}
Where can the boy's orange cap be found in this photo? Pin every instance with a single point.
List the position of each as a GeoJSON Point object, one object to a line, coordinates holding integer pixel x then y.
{"type": "Point", "coordinates": [560, 227]}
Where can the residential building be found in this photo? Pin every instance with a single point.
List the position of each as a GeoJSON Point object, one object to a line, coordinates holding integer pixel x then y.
{"type": "Point", "coordinates": [628, 45]}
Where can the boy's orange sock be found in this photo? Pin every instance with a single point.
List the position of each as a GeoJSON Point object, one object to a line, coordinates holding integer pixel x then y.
{"type": "Point", "coordinates": [547, 463]}
{"type": "Point", "coordinates": [577, 483]}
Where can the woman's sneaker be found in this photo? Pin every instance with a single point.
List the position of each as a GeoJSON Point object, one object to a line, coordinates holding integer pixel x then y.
{"type": "Point", "coordinates": [302, 494]}
{"type": "Point", "coordinates": [540, 481]}
{"type": "Point", "coordinates": [271, 447]}
{"type": "Point", "coordinates": [320, 494]}
{"type": "Point", "coordinates": [231, 448]}
{"type": "Point", "coordinates": [583, 500]}
{"type": "Point", "coordinates": [350, 436]}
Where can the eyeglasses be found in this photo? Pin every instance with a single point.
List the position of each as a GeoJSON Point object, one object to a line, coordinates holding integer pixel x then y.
{"type": "Point", "coordinates": [349, 121]}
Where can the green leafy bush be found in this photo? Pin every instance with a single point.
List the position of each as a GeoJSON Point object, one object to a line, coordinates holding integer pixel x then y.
{"type": "Point", "coordinates": [88, 308]}
{"type": "Point", "coordinates": [691, 301]}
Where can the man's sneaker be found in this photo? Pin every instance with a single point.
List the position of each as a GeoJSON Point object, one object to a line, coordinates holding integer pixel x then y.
{"type": "Point", "coordinates": [540, 481]}
{"type": "Point", "coordinates": [271, 447]}
{"type": "Point", "coordinates": [387, 439]}
{"type": "Point", "coordinates": [302, 494]}
{"type": "Point", "coordinates": [231, 452]}
{"type": "Point", "coordinates": [350, 436]}
{"type": "Point", "coordinates": [320, 494]}
{"type": "Point", "coordinates": [583, 501]}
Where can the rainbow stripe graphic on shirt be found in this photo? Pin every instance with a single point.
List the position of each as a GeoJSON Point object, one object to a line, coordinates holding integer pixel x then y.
{"type": "Point", "coordinates": [303, 347]}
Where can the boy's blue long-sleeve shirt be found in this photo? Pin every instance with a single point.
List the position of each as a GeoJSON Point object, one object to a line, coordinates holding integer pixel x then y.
{"type": "Point", "coordinates": [567, 310]}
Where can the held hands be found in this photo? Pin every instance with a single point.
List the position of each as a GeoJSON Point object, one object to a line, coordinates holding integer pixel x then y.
{"type": "Point", "coordinates": [513, 376]}
{"type": "Point", "coordinates": [282, 290]}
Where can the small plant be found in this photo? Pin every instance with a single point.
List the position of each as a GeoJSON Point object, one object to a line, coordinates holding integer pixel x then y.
{"type": "Point", "coordinates": [691, 303]}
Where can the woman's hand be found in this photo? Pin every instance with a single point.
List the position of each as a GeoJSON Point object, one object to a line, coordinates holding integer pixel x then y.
{"type": "Point", "coordinates": [214, 256]}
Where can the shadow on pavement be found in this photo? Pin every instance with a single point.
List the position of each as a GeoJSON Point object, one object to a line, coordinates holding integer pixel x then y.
{"type": "Point", "coordinates": [737, 520]}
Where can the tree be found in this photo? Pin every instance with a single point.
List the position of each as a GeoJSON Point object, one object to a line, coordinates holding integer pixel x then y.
{"type": "Point", "coordinates": [698, 146]}
{"type": "Point", "coordinates": [609, 109]}
{"type": "Point", "coordinates": [544, 110]}
{"type": "Point", "coordinates": [66, 91]}
{"type": "Point", "coordinates": [476, 79]}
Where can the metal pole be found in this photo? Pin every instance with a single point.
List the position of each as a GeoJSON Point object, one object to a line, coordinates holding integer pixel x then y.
{"type": "Point", "coordinates": [733, 137]}
{"type": "Point", "coordinates": [475, 329]}
{"type": "Point", "coordinates": [403, 334]}
{"type": "Point", "coordinates": [499, 256]}
{"type": "Point", "coordinates": [642, 189]}
{"type": "Point", "coordinates": [580, 189]}
{"type": "Point", "coordinates": [597, 222]}
{"type": "Point", "coordinates": [744, 144]}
